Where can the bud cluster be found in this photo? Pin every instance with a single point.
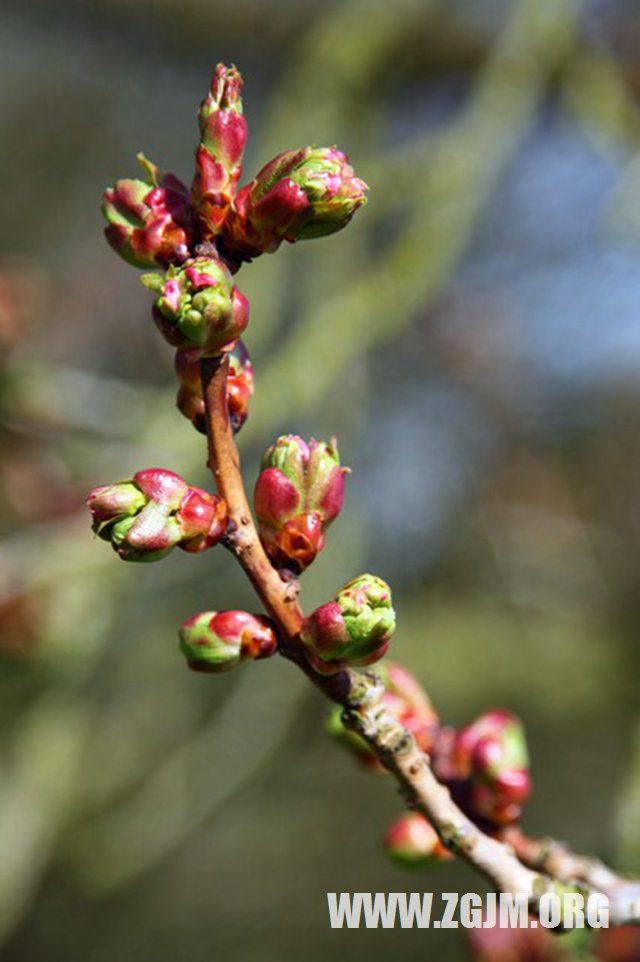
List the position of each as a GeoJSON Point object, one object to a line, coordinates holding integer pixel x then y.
{"type": "Point", "coordinates": [197, 305]}
{"type": "Point", "coordinates": [485, 764]}
{"type": "Point", "coordinates": [159, 223]}
{"type": "Point", "coordinates": [155, 511]}
{"type": "Point", "coordinates": [298, 494]}
{"type": "Point", "coordinates": [240, 386]}
{"type": "Point", "coordinates": [198, 238]}
{"type": "Point", "coordinates": [217, 641]}
{"type": "Point", "coordinates": [490, 756]}
{"type": "Point", "coordinates": [353, 629]}
{"type": "Point", "coordinates": [299, 194]}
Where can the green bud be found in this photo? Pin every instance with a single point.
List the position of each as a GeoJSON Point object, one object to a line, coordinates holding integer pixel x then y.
{"type": "Point", "coordinates": [354, 629]}
{"type": "Point", "coordinates": [197, 305]}
{"type": "Point", "coordinates": [217, 641]}
{"type": "Point", "coordinates": [368, 615]}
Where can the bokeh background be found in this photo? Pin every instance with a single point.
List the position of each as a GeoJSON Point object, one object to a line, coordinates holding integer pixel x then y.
{"type": "Point", "coordinates": [473, 340]}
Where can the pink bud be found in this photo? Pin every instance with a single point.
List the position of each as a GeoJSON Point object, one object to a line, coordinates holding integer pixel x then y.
{"type": "Point", "coordinates": [299, 194]}
{"type": "Point", "coordinates": [298, 494]}
{"type": "Point", "coordinates": [228, 131]}
{"type": "Point", "coordinates": [162, 486]}
{"type": "Point", "coordinates": [203, 520]}
{"type": "Point", "coordinates": [412, 841]}
{"type": "Point", "coordinates": [297, 543]}
{"type": "Point", "coordinates": [276, 498]}
{"type": "Point", "coordinates": [353, 629]}
{"type": "Point", "coordinates": [513, 785]}
{"type": "Point", "coordinates": [490, 757]}
{"type": "Point", "coordinates": [496, 723]}
{"type": "Point", "coordinates": [149, 223]}
{"type": "Point", "coordinates": [172, 294]}
{"type": "Point", "coordinates": [485, 804]}
{"type": "Point", "coordinates": [216, 641]}
{"type": "Point", "coordinates": [155, 511]}
{"type": "Point", "coordinates": [153, 530]}
{"type": "Point", "coordinates": [114, 501]}
{"type": "Point", "coordinates": [240, 386]}
{"type": "Point", "coordinates": [254, 632]}
{"type": "Point", "coordinates": [486, 754]}
{"type": "Point", "coordinates": [223, 133]}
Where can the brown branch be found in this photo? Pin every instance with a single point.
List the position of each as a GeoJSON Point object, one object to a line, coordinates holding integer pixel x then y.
{"type": "Point", "coordinates": [556, 859]}
{"type": "Point", "coordinates": [398, 751]}
{"type": "Point", "coordinates": [510, 864]}
{"type": "Point", "coordinates": [278, 597]}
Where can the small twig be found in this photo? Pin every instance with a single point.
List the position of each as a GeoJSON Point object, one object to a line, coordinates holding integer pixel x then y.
{"type": "Point", "coordinates": [398, 751]}
{"type": "Point", "coordinates": [242, 539]}
{"type": "Point", "coordinates": [510, 864]}
{"type": "Point", "coordinates": [555, 858]}
{"type": "Point", "coordinates": [280, 598]}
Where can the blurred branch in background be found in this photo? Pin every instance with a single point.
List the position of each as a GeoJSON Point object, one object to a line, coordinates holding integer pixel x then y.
{"type": "Point", "coordinates": [444, 204]}
{"type": "Point", "coordinates": [38, 795]}
{"type": "Point", "coordinates": [187, 788]}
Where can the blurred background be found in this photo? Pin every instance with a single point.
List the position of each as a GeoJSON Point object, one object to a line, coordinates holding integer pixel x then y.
{"type": "Point", "coordinates": [472, 338]}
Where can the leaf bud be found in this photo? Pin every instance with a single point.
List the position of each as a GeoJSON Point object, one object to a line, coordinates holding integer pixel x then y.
{"type": "Point", "coordinates": [217, 641]}
{"type": "Point", "coordinates": [299, 492]}
{"type": "Point", "coordinates": [155, 511]}
{"type": "Point", "coordinates": [354, 629]}
{"type": "Point", "coordinates": [148, 221]}
{"type": "Point", "coordinates": [299, 194]}
{"type": "Point", "coordinates": [197, 305]}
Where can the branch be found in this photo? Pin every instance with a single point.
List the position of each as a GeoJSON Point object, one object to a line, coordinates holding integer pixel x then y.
{"type": "Point", "coordinates": [397, 750]}
{"type": "Point", "coordinates": [510, 864]}
{"type": "Point", "coordinates": [278, 597]}
{"type": "Point", "coordinates": [556, 859]}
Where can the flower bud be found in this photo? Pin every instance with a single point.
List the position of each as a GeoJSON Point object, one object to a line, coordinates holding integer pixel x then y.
{"type": "Point", "coordinates": [495, 741]}
{"type": "Point", "coordinates": [149, 536]}
{"type": "Point", "coordinates": [111, 501]}
{"type": "Point", "coordinates": [146, 517]}
{"type": "Point", "coordinates": [240, 386]}
{"type": "Point", "coordinates": [203, 520]}
{"type": "Point", "coordinates": [218, 641]}
{"type": "Point", "coordinates": [332, 190]}
{"type": "Point", "coordinates": [223, 133]}
{"type": "Point", "coordinates": [300, 194]}
{"type": "Point", "coordinates": [298, 494]}
{"type": "Point", "coordinates": [297, 543]}
{"type": "Point", "coordinates": [164, 487]}
{"type": "Point", "coordinates": [355, 629]}
{"type": "Point", "coordinates": [501, 800]}
{"type": "Point", "coordinates": [413, 842]}
{"type": "Point", "coordinates": [197, 305]}
{"type": "Point", "coordinates": [492, 754]}
{"type": "Point", "coordinates": [149, 222]}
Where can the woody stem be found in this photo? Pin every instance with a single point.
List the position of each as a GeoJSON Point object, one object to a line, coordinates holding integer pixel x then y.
{"type": "Point", "coordinates": [360, 693]}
